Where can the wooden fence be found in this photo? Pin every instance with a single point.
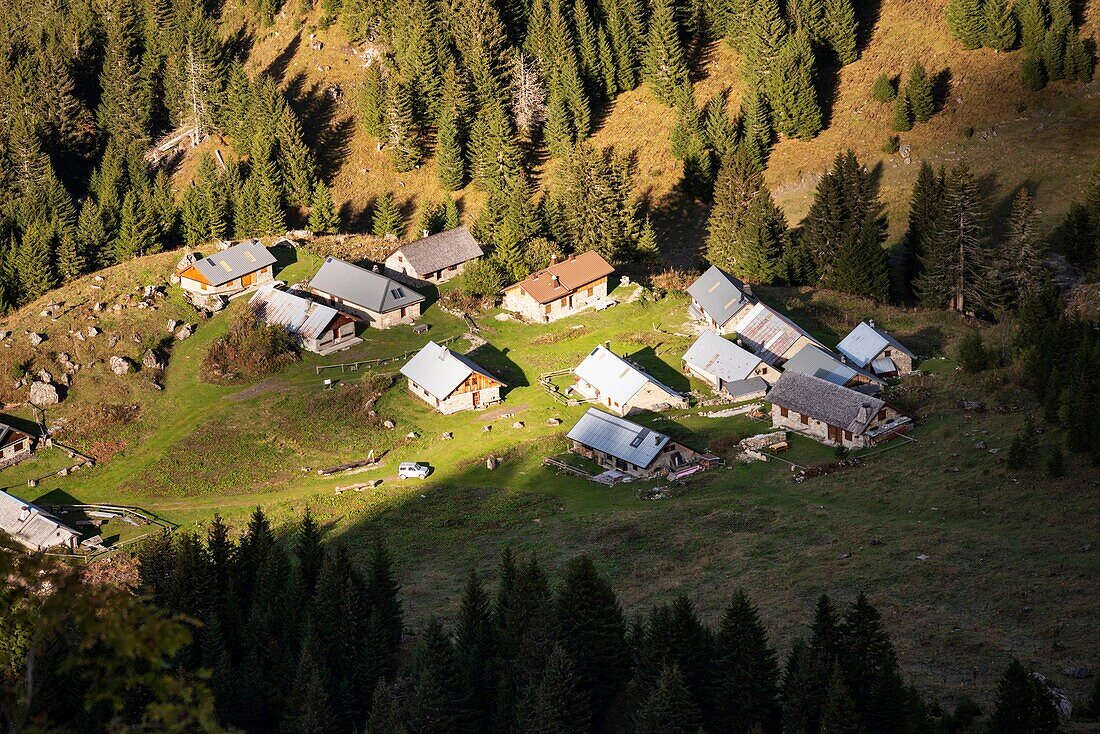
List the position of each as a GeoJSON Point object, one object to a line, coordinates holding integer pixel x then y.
{"type": "Point", "coordinates": [134, 515]}
{"type": "Point", "coordinates": [368, 363]}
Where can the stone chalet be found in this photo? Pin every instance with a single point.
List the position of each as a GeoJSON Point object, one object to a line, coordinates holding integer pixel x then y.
{"type": "Point", "coordinates": [833, 414]}
{"type": "Point", "coordinates": [317, 327]}
{"type": "Point", "coordinates": [562, 289]}
{"type": "Point", "coordinates": [870, 348]}
{"type": "Point", "coordinates": [228, 272]}
{"type": "Point", "coordinates": [718, 298]}
{"type": "Point", "coordinates": [435, 258]}
{"type": "Point", "coordinates": [371, 297]}
{"type": "Point", "coordinates": [621, 387]}
{"type": "Point", "coordinates": [450, 382]}
{"type": "Point", "coordinates": [727, 368]}
{"type": "Point", "coordinates": [14, 445]}
{"type": "Point", "coordinates": [34, 528]}
{"type": "Point", "coordinates": [616, 443]}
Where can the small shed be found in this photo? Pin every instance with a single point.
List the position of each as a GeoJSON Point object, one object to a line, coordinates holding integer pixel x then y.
{"type": "Point", "coordinates": [871, 348]}
{"type": "Point", "coordinates": [449, 381]}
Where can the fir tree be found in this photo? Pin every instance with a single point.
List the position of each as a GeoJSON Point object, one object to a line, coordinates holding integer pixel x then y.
{"type": "Point", "coordinates": [764, 41]}
{"type": "Point", "coordinates": [309, 709]}
{"type": "Point", "coordinates": [1032, 16]}
{"type": "Point", "coordinates": [1077, 63]}
{"type": "Point", "coordinates": [669, 708]}
{"type": "Point", "coordinates": [924, 218]}
{"type": "Point", "coordinates": [385, 715]}
{"type": "Point", "coordinates": [70, 258]}
{"type": "Point", "coordinates": [861, 267]}
{"type": "Point", "coordinates": [1032, 73]}
{"type": "Point", "coordinates": [1000, 25]}
{"type": "Point", "coordinates": [475, 646]}
{"type": "Point", "coordinates": [34, 261]}
{"type": "Point", "coordinates": [323, 218]}
{"type": "Point", "coordinates": [758, 134]}
{"type": "Point", "coordinates": [402, 135]}
{"type": "Point", "coordinates": [972, 355]}
{"type": "Point", "coordinates": [91, 234]}
{"type": "Point", "coordinates": [439, 694]}
{"type": "Point", "coordinates": [740, 181]}
{"type": "Point", "coordinates": [761, 244]}
{"type": "Point", "coordinates": [839, 714]}
{"type": "Point", "coordinates": [385, 606]}
{"type": "Point", "coordinates": [449, 158]}
{"type": "Point", "coordinates": [747, 674]}
{"type": "Point", "coordinates": [451, 219]}
{"type": "Point", "coordinates": [1054, 52]}
{"type": "Point", "coordinates": [1022, 253]}
{"type": "Point", "coordinates": [387, 220]}
{"type": "Point", "coordinates": [296, 162]}
{"type": "Point", "coordinates": [967, 22]}
{"type": "Point", "coordinates": [918, 90]}
{"type": "Point", "coordinates": [372, 102]}
{"type": "Point", "coordinates": [840, 29]}
{"type": "Point", "coordinates": [554, 702]}
{"type": "Point", "coordinates": [902, 120]}
{"type": "Point", "coordinates": [884, 90]}
{"type": "Point", "coordinates": [1023, 704]}
{"type": "Point", "coordinates": [648, 249]}
{"type": "Point", "coordinates": [1056, 469]}
{"type": "Point", "coordinates": [137, 230]}
{"type": "Point", "coordinates": [794, 101]}
{"type": "Point", "coordinates": [494, 152]}
{"type": "Point", "coordinates": [664, 66]}
{"type": "Point", "coordinates": [720, 132]}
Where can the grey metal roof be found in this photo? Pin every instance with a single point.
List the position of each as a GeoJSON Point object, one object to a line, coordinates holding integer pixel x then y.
{"type": "Point", "coordinates": [240, 259]}
{"type": "Point", "coordinates": [883, 365]}
{"type": "Point", "coordinates": [840, 407]}
{"type": "Point", "coordinates": [362, 287]}
{"type": "Point", "coordinates": [720, 294]}
{"type": "Point", "coordinates": [720, 357]}
{"type": "Point", "coordinates": [751, 386]}
{"type": "Point", "coordinates": [614, 377]}
{"type": "Point", "coordinates": [442, 250]}
{"type": "Point", "coordinates": [815, 361]}
{"type": "Point", "coordinates": [864, 343]}
{"type": "Point", "coordinates": [301, 316]}
{"type": "Point", "coordinates": [769, 333]}
{"type": "Point", "coordinates": [440, 371]}
{"type": "Point", "coordinates": [31, 526]}
{"type": "Point", "coordinates": [618, 437]}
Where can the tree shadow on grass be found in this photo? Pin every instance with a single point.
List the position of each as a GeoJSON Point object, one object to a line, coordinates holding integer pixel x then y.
{"type": "Point", "coordinates": [659, 369]}
{"type": "Point", "coordinates": [278, 66]}
{"type": "Point", "coordinates": [355, 220]}
{"type": "Point", "coordinates": [941, 88]}
{"type": "Point", "coordinates": [498, 363]}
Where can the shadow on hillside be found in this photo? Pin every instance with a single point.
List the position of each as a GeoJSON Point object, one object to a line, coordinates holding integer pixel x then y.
{"type": "Point", "coordinates": [497, 362]}
{"type": "Point", "coordinates": [356, 221]}
{"type": "Point", "coordinates": [659, 369]}
{"type": "Point", "coordinates": [928, 340]}
{"type": "Point", "coordinates": [867, 15]}
{"type": "Point", "coordinates": [278, 66]}
{"type": "Point", "coordinates": [327, 137]}
{"type": "Point", "coordinates": [239, 45]}
{"type": "Point", "coordinates": [941, 88]}
{"type": "Point", "coordinates": [284, 258]}
{"type": "Point", "coordinates": [827, 86]}
{"type": "Point", "coordinates": [1001, 209]}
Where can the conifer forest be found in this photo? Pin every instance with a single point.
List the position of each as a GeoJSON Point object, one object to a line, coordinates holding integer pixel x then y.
{"type": "Point", "coordinates": [549, 366]}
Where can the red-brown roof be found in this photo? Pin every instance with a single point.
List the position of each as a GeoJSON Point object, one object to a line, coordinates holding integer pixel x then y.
{"type": "Point", "coordinates": [572, 274]}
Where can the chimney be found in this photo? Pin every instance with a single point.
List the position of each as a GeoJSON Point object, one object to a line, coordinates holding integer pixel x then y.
{"type": "Point", "coordinates": [374, 267]}
{"type": "Point", "coordinates": [607, 345]}
{"type": "Point", "coordinates": [871, 323]}
{"type": "Point", "coordinates": [554, 278]}
{"type": "Point", "coordinates": [656, 440]}
{"type": "Point", "coordinates": [24, 513]}
{"type": "Point", "coordinates": [424, 233]}
{"type": "Point", "coordinates": [748, 290]}
{"type": "Point", "coordinates": [864, 413]}
{"type": "Point", "coordinates": [554, 259]}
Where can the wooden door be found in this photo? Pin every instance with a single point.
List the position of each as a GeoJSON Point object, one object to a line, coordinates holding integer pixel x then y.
{"type": "Point", "coordinates": [246, 280]}
{"type": "Point", "coordinates": [835, 434]}
{"type": "Point", "coordinates": [477, 398]}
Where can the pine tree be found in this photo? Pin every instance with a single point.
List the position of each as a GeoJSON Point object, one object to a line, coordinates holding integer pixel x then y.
{"type": "Point", "coordinates": [70, 258]}
{"type": "Point", "coordinates": [902, 120]}
{"type": "Point", "coordinates": [387, 219]}
{"type": "Point", "coordinates": [451, 218]}
{"type": "Point", "coordinates": [809, 15]}
{"type": "Point", "coordinates": [559, 132]}
{"type": "Point", "coordinates": [494, 152]}
{"type": "Point", "coordinates": [740, 181]}
{"type": "Point", "coordinates": [402, 135]}
{"type": "Point", "coordinates": [883, 90]}
{"type": "Point", "coordinates": [309, 709]}
{"type": "Point", "coordinates": [296, 162]}
{"type": "Point", "coordinates": [866, 656]}
{"type": "Point", "coordinates": [439, 696]}
{"type": "Point", "coordinates": [758, 133]}
{"type": "Point", "coordinates": [1077, 62]}
{"type": "Point", "coordinates": [669, 708]}
{"type": "Point", "coordinates": [664, 65]}
{"type": "Point", "coordinates": [747, 674]}
{"type": "Point", "coordinates": [323, 218]}
{"type": "Point", "coordinates": [1023, 704]}
{"type": "Point", "coordinates": [372, 102]}
{"type": "Point", "coordinates": [385, 714]}
{"type": "Point", "coordinates": [840, 29]}
{"type": "Point", "coordinates": [924, 218]}
{"type": "Point", "coordinates": [967, 22]}
{"type": "Point", "coordinates": [972, 355]}
{"type": "Point", "coordinates": [720, 132]}
{"type": "Point", "coordinates": [918, 90]}
{"type": "Point", "coordinates": [137, 230]}
{"type": "Point", "coordinates": [765, 38]}
{"type": "Point", "coordinates": [1032, 16]}
{"type": "Point", "coordinates": [648, 249]}
{"type": "Point", "coordinates": [794, 100]}
{"type": "Point", "coordinates": [268, 215]}
{"type": "Point", "coordinates": [1000, 25]}
{"type": "Point", "coordinates": [385, 606]}
{"type": "Point", "coordinates": [34, 261]}
{"type": "Point", "coordinates": [1023, 251]}
{"type": "Point", "coordinates": [1054, 52]}
{"type": "Point", "coordinates": [839, 714]}
{"type": "Point", "coordinates": [861, 267]}
{"type": "Point", "coordinates": [1032, 73]}
{"type": "Point", "coordinates": [449, 158]}
{"type": "Point", "coordinates": [475, 647]}
{"type": "Point", "coordinates": [91, 235]}
{"type": "Point", "coordinates": [761, 244]}
{"type": "Point", "coordinates": [554, 702]}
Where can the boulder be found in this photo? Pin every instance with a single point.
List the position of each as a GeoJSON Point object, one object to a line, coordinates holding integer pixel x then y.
{"type": "Point", "coordinates": [44, 376]}
{"type": "Point", "coordinates": [98, 306]}
{"type": "Point", "coordinates": [388, 424]}
{"type": "Point", "coordinates": [43, 394]}
{"type": "Point", "coordinates": [35, 338]}
{"type": "Point", "coordinates": [412, 434]}
{"type": "Point", "coordinates": [120, 365]}
{"type": "Point", "coordinates": [92, 331]}
{"type": "Point", "coordinates": [447, 436]}
{"type": "Point", "coordinates": [172, 325]}
{"type": "Point", "coordinates": [153, 360]}
{"type": "Point", "coordinates": [553, 421]}
{"type": "Point", "coordinates": [517, 424]}
{"type": "Point", "coordinates": [216, 303]}
{"type": "Point", "coordinates": [99, 279]}
{"type": "Point", "coordinates": [184, 332]}
{"type": "Point", "coordinates": [111, 342]}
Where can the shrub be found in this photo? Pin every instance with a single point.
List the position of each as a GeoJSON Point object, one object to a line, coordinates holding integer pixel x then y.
{"type": "Point", "coordinates": [893, 145]}
{"type": "Point", "coordinates": [482, 279]}
{"type": "Point", "coordinates": [1031, 71]}
{"type": "Point", "coordinates": [972, 355]}
{"type": "Point", "coordinates": [251, 348]}
{"type": "Point", "coordinates": [884, 89]}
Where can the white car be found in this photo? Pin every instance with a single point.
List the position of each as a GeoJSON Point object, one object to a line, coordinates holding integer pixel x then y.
{"type": "Point", "coordinates": [413, 470]}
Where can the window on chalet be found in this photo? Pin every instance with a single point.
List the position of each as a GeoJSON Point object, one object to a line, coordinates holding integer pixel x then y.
{"type": "Point", "coordinates": [805, 420]}
{"type": "Point", "coordinates": [548, 308]}
{"type": "Point", "coordinates": [783, 412]}
{"type": "Point", "coordinates": [590, 290]}
{"type": "Point", "coordinates": [563, 302]}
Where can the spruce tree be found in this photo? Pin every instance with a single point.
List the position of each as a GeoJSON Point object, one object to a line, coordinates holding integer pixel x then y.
{"type": "Point", "coordinates": [924, 217]}
{"type": "Point", "coordinates": [756, 121]}
{"type": "Point", "coordinates": [449, 157]}
{"type": "Point", "coordinates": [1000, 25]}
{"type": "Point", "coordinates": [1032, 73]}
{"type": "Point", "coordinates": [883, 90]}
{"type": "Point", "coordinates": [761, 244]}
{"type": "Point", "coordinates": [765, 38]}
{"type": "Point", "coordinates": [387, 220]}
{"type": "Point", "coordinates": [475, 647]}
{"type": "Point", "coordinates": [1032, 16]}
{"type": "Point", "coordinates": [402, 133]}
{"type": "Point", "coordinates": [385, 714]}
{"type": "Point", "coordinates": [840, 29]}
{"type": "Point", "coordinates": [669, 708]}
{"type": "Point", "coordinates": [439, 696]}
{"type": "Point", "coordinates": [648, 250]}
{"type": "Point", "coordinates": [70, 258]}
{"type": "Point", "coordinates": [1077, 62]}
{"type": "Point", "coordinates": [91, 234]}
{"type": "Point", "coordinates": [740, 180]}
{"type": "Point", "coordinates": [664, 65]}
{"type": "Point", "coordinates": [372, 102]}
{"type": "Point", "coordinates": [137, 230]}
{"type": "Point", "coordinates": [1056, 469]}
{"type": "Point", "coordinates": [451, 218]}
{"type": "Point", "coordinates": [967, 22]}
{"type": "Point", "coordinates": [295, 160]}
{"type": "Point", "coordinates": [554, 702]}
{"type": "Point", "coordinates": [918, 90]}
{"type": "Point", "coordinates": [1023, 704]}
{"type": "Point", "coordinates": [34, 261]}
{"type": "Point", "coordinates": [323, 218]}
{"type": "Point", "coordinates": [861, 267]}
{"type": "Point", "coordinates": [1022, 253]}
{"type": "Point", "coordinates": [902, 120]}
{"type": "Point", "coordinates": [839, 714]}
{"type": "Point", "coordinates": [746, 672]}
{"type": "Point", "coordinates": [1054, 52]}
{"type": "Point", "coordinates": [972, 356]}
{"type": "Point", "coordinates": [866, 655]}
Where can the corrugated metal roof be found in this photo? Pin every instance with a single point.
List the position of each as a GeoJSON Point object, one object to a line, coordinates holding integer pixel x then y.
{"type": "Point", "coordinates": [618, 437]}
{"type": "Point", "coordinates": [301, 316]}
{"type": "Point", "coordinates": [442, 250]}
{"type": "Point", "coordinates": [31, 526]}
{"type": "Point", "coordinates": [720, 294]}
{"type": "Point", "coordinates": [614, 377]}
{"type": "Point", "coordinates": [440, 371]}
{"type": "Point", "coordinates": [721, 357]}
{"type": "Point", "coordinates": [864, 342]}
{"type": "Point", "coordinates": [240, 259]}
{"type": "Point", "coordinates": [769, 333]}
{"type": "Point", "coordinates": [363, 287]}
{"type": "Point", "coordinates": [816, 362]}
{"type": "Point", "coordinates": [751, 386]}
{"type": "Point", "coordinates": [883, 365]}
{"type": "Point", "coordinates": [840, 407]}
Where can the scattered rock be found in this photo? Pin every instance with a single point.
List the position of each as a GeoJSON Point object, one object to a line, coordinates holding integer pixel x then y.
{"type": "Point", "coordinates": [92, 331]}
{"type": "Point", "coordinates": [922, 557]}
{"type": "Point", "coordinates": [44, 376]}
{"type": "Point", "coordinates": [79, 336]}
{"type": "Point", "coordinates": [517, 424]}
{"type": "Point", "coordinates": [172, 324]}
{"type": "Point", "coordinates": [492, 462]}
{"type": "Point", "coordinates": [1079, 673]}
{"type": "Point", "coordinates": [388, 424]}
{"type": "Point", "coordinates": [877, 541]}
{"type": "Point", "coordinates": [35, 338]}
{"type": "Point", "coordinates": [1061, 700]}
{"type": "Point", "coordinates": [447, 436]}
{"type": "Point", "coordinates": [980, 445]}
{"type": "Point", "coordinates": [117, 307]}
{"type": "Point", "coordinates": [120, 365]}
{"type": "Point", "coordinates": [553, 421]}
{"type": "Point", "coordinates": [98, 306]}
{"type": "Point", "coordinates": [43, 394]}
{"type": "Point", "coordinates": [842, 556]}
{"type": "Point", "coordinates": [153, 360]}
{"type": "Point", "coordinates": [994, 451]}
{"type": "Point", "coordinates": [184, 332]}
{"type": "Point", "coordinates": [486, 429]}
{"type": "Point", "coordinates": [412, 434]}
{"type": "Point", "coordinates": [973, 406]}
{"type": "Point", "coordinates": [99, 279]}
{"type": "Point", "coordinates": [112, 341]}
